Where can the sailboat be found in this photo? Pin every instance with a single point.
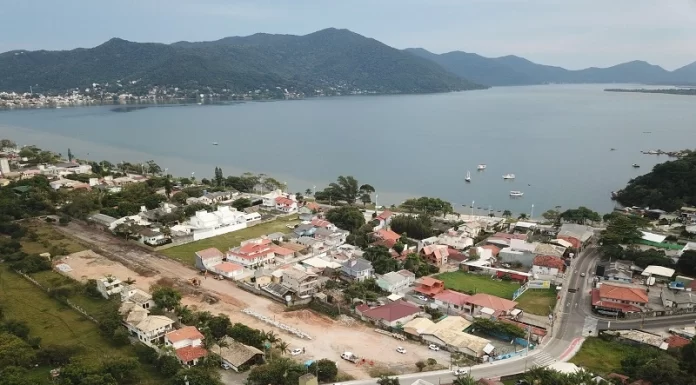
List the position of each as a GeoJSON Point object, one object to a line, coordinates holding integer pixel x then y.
{"type": "Point", "coordinates": [468, 177]}
{"type": "Point", "coordinates": [509, 176]}
{"type": "Point", "coordinates": [481, 167]}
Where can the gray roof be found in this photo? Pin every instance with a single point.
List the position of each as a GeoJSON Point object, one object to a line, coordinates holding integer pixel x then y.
{"type": "Point", "coordinates": [236, 353]}
{"type": "Point", "coordinates": [581, 232]}
{"type": "Point", "coordinates": [276, 236]}
{"type": "Point", "coordinates": [322, 232]}
{"type": "Point", "coordinates": [303, 228]}
{"type": "Point", "coordinates": [307, 241]}
{"type": "Point", "coordinates": [678, 297]}
{"type": "Point", "coordinates": [103, 219]}
{"type": "Point", "coordinates": [393, 278]}
{"type": "Point", "coordinates": [358, 264]}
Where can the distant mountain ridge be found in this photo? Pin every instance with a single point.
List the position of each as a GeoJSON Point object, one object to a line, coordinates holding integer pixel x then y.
{"type": "Point", "coordinates": [514, 70]}
{"type": "Point", "coordinates": [328, 59]}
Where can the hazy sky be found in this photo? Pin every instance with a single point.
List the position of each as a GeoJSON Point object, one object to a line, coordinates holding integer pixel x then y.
{"type": "Point", "coordinates": [569, 33]}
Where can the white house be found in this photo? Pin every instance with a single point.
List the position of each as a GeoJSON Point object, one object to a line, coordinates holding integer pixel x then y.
{"type": "Point", "coordinates": [253, 253]}
{"type": "Point", "coordinates": [221, 221]}
{"type": "Point", "coordinates": [269, 200]}
{"type": "Point", "coordinates": [108, 286]}
{"type": "Point", "coordinates": [286, 205]}
{"type": "Point", "coordinates": [383, 220]}
{"type": "Point", "coordinates": [546, 265]}
{"type": "Point", "coordinates": [148, 329]}
{"type": "Point", "coordinates": [230, 270]}
{"type": "Point", "coordinates": [396, 281]}
{"type": "Point", "coordinates": [139, 297]}
{"type": "Point", "coordinates": [152, 237]}
{"type": "Point", "coordinates": [187, 343]}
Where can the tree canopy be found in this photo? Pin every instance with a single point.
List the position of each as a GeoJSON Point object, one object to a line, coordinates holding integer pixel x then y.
{"type": "Point", "coordinates": [381, 259]}
{"type": "Point", "coordinates": [580, 215]}
{"type": "Point", "coordinates": [427, 205]}
{"type": "Point", "coordinates": [418, 227]}
{"type": "Point", "coordinates": [348, 218]}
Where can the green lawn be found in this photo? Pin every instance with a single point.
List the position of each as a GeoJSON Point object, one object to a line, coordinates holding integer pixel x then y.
{"type": "Point", "coordinates": [53, 279]}
{"type": "Point", "coordinates": [538, 301]}
{"type": "Point", "coordinates": [185, 253]}
{"type": "Point", "coordinates": [602, 357]}
{"type": "Point", "coordinates": [475, 283]}
{"type": "Point", "coordinates": [47, 238]}
{"type": "Point", "coordinates": [57, 324]}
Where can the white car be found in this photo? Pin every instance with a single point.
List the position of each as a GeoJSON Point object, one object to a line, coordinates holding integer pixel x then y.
{"type": "Point", "coordinates": [460, 371]}
{"type": "Point", "coordinates": [225, 366]}
{"type": "Point", "coordinates": [422, 298]}
{"type": "Point", "coordinates": [401, 350]}
{"type": "Point", "coordinates": [433, 347]}
{"type": "Point", "coordinates": [296, 352]}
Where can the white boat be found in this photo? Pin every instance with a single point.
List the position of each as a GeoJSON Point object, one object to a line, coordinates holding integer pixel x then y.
{"type": "Point", "coordinates": [509, 176]}
{"type": "Point", "coordinates": [481, 167]}
{"type": "Point", "coordinates": [516, 193]}
{"type": "Point", "coordinates": [468, 177]}
{"type": "Point", "coordinates": [215, 143]}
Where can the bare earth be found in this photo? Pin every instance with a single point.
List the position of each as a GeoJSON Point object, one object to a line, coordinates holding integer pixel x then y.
{"type": "Point", "coordinates": [329, 337]}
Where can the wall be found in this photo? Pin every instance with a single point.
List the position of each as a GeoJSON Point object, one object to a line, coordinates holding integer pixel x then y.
{"type": "Point", "coordinates": [203, 234]}
{"type": "Point", "coordinates": [525, 258]}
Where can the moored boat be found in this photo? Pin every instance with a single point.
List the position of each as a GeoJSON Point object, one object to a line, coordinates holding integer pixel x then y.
{"type": "Point", "coordinates": [516, 193]}
{"type": "Point", "coordinates": [509, 176]}
{"type": "Point", "coordinates": [481, 167]}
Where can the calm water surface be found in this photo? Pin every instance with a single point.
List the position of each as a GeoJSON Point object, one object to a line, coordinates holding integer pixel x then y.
{"type": "Point", "coordinates": [555, 139]}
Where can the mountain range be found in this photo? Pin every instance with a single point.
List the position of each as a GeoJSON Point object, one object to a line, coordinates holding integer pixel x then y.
{"type": "Point", "coordinates": [327, 59]}
{"type": "Point", "coordinates": [514, 70]}
{"type": "Point", "coordinates": [330, 61]}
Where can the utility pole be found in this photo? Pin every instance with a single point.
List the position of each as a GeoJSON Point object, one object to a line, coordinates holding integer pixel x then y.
{"type": "Point", "coordinates": [531, 215]}
{"type": "Point", "coordinates": [472, 209]}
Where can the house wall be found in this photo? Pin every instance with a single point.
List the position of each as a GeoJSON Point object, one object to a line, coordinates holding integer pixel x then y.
{"type": "Point", "coordinates": [199, 234]}
{"type": "Point", "coordinates": [543, 270]}
{"type": "Point", "coordinates": [526, 258]}
{"type": "Point", "coordinates": [183, 343]}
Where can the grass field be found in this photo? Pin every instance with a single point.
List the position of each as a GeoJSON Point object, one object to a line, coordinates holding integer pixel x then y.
{"type": "Point", "coordinates": [47, 238]}
{"type": "Point", "coordinates": [53, 279]}
{"type": "Point", "coordinates": [538, 301]}
{"type": "Point", "coordinates": [602, 357]}
{"type": "Point", "coordinates": [474, 283]}
{"type": "Point", "coordinates": [185, 253]}
{"type": "Point", "coordinates": [56, 324]}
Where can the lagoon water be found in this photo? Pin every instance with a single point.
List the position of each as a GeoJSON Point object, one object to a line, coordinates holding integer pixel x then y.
{"type": "Point", "coordinates": [556, 139]}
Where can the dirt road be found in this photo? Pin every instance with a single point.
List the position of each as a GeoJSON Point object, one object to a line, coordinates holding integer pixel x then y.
{"type": "Point", "coordinates": [329, 337]}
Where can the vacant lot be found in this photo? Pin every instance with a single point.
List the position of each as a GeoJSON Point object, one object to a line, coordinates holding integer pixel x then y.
{"type": "Point", "coordinates": [538, 301]}
{"type": "Point", "coordinates": [55, 323]}
{"type": "Point", "coordinates": [185, 253]}
{"type": "Point", "coordinates": [474, 283]}
{"type": "Point", "coordinates": [602, 357]}
{"type": "Point", "coordinates": [47, 240]}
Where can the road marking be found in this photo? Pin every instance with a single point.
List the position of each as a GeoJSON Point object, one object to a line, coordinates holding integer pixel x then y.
{"type": "Point", "coordinates": [571, 347]}
{"type": "Point", "coordinates": [590, 327]}
{"type": "Point", "coordinates": [543, 359]}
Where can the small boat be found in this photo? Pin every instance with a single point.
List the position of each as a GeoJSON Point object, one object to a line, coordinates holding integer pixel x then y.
{"type": "Point", "coordinates": [612, 149]}
{"type": "Point", "coordinates": [509, 176]}
{"type": "Point", "coordinates": [614, 194]}
{"type": "Point", "coordinates": [635, 165]}
{"type": "Point", "coordinates": [215, 143]}
{"type": "Point", "coordinates": [516, 193]}
{"type": "Point", "coordinates": [468, 177]}
{"type": "Point", "coordinates": [481, 167]}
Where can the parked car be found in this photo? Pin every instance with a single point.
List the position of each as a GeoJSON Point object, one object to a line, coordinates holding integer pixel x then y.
{"type": "Point", "coordinates": [433, 347]}
{"type": "Point", "coordinates": [401, 350]}
{"type": "Point", "coordinates": [225, 366]}
{"type": "Point", "coordinates": [422, 298]}
{"type": "Point", "coordinates": [582, 274]}
{"type": "Point", "coordinates": [296, 352]}
{"type": "Point", "coordinates": [460, 371]}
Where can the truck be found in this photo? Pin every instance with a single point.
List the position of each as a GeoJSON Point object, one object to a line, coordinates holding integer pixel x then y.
{"type": "Point", "coordinates": [348, 356]}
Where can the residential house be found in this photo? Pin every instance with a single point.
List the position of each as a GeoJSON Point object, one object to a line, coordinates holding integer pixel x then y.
{"type": "Point", "coordinates": [187, 343]}
{"type": "Point", "coordinates": [458, 238]}
{"type": "Point", "coordinates": [230, 270]}
{"type": "Point", "coordinates": [304, 230]}
{"type": "Point", "coordinates": [283, 255]}
{"type": "Point", "coordinates": [580, 233]}
{"type": "Point", "coordinates": [148, 329]}
{"type": "Point", "coordinates": [450, 300]}
{"type": "Point", "coordinates": [302, 283]}
{"type": "Point", "coordinates": [618, 299]}
{"type": "Point", "coordinates": [430, 286]}
{"type": "Point", "coordinates": [547, 265]}
{"type": "Point", "coordinates": [210, 198]}
{"type": "Point", "coordinates": [489, 305]}
{"type": "Point", "coordinates": [102, 219]}
{"type": "Point", "coordinates": [449, 333]}
{"type": "Point", "coordinates": [518, 251]}
{"type": "Point", "coordinates": [235, 354]}
{"type": "Point", "coordinates": [221, 221]}
{"type": "Point", "coordinates": [357, 269]}
{"type": "Point", "coordinates": [331, 238]}
{"type": "Point", "coordinates": [314, 245]}
{"type": "Point", "coordinates": [678, 299]}
{"type": "Point", "coordinates": [617, 271]}
{"type": "Point", "coordinates": [435, 254]}
{"type": "Point", "coordinates": [386, 237]}
{"type": "Point", "coordinates": [392, 314]}
{"type": "Point", "coordinates": [152, 237]}
{"type": "Point", "coordinates": [108, 286]}
{"type": "Point", "coordinates": [503, 239]}
{"type": "Point", "coordinates": [262, 277]}
{"type": "Point", "coordinates": [253, 253]}
{"type": "Point", "coordinates": [154, 214]}
{"type": "Point", "coordinates": [208, 258]}
{"type": "Point", "coordinates": [383, 220]}
{"type": "Point", "coordinates": [286, 205]}
{"type": "Point", "coordinates": [396, 281]}
{"type": "Point", "coordinates": [269, 200]}
{"type": "Point", "coordinates": [549, 249]}
{"type": "Point", "coordinates": [306, 214]}
{"type": "Point", "coordinates": [139, 297]}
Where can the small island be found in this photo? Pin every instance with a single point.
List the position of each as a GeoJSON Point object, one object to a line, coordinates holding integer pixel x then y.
{"type": "Point", "coordinates": [669, 91]}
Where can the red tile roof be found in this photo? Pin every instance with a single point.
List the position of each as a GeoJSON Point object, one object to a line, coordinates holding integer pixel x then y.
{"type": "Point", "coordinates": [185, 333]}
{"type": "Point", "coordinates": [597, 302]}
{"type": "Point", "coordinates": [493, 248]}
{"type": "Point", "coordinates": [574, 241]}
{"type": "Point", "coordinates": [320, 223]}
{"type": "Point", "coordinates": [549, 261]}
{"type": "Point", "coordinates": [623, 293]}
{"type": "Point", "coordinates": [492, 302]}
{"type": "Point", "coordinates": [228, 267]}
{"type": "Point", "coordinates": [313, 206]}
{"type": "Point", "coordinates": [509, 236]}
{"type": "Point", "coordinates": [389, 243]}
{"type": "Point", "coordinates": [252, 250]}
{"type": "Point", "coordinates": [387, 234]}
{"type": "Point", "coordinates": [281, 250]}
{"type": "Point", "coordinates": [438, 251]}
{"type": "Point", "coordinates": [535, 330]}
{"type": "Point", "coordinates": [675, 341]}
{"type": "Point", "coordinates": [430, 286]}
{"type": "Point", "coordinates": [452, 297]}
{"type": "Point", "coordinates": [392, 311]}
{"type": "Point", "coordinates": [190, 353]}
{"type": "Point", "coordinates": [284, 201]}
{"type": "Point", "coordinates": [210, 253]}
{"type": "Point", "coordinates": [384, 215]}
{"type": "Point", "coordinates": [456, 255]}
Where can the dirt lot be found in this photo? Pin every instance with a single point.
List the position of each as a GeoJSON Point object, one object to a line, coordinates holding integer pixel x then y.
{"type": "Point", "coordinates": [346, 335]}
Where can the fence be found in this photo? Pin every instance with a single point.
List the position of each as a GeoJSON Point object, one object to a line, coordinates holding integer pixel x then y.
{"type": "Point", "coordinates": [67, 301]}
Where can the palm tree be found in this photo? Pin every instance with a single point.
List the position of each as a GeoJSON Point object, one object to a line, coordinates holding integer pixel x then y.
{"type": "Point", "coordinates": [271, 337]}
{"type": "Point", "coordinates": [464, 380]}
{"type": "Point", "coordinates": [345, 188]}
{"type": "Point", "coordinates": [522, 216]}
{"type": "Point", "coordinates": [308, 192]}
{"type": "Point", "coordinates": [283, 347]}
{"type": "Point", "coordinates": [507, 213]}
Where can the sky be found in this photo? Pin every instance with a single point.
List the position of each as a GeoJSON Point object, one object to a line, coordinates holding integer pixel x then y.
{"type": "Point", "coordinates": [569, 33]}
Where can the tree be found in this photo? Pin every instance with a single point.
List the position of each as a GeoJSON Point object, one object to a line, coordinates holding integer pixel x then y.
{"type": "Point", "coordinates": [418, 227]}
{"type": "Point", "coordinates": [399, 247]}
{"type": "Point", "coordinates": [621, 229]}
{"type": "Point", "coordinates": [7, 144]}
{"type": "Point", "coordinates": [166, 298]}
{"type": "Point", "coordinates": [365, 199]}
{"type": "Point", "coordinates": [167, 186]}
{"type": "Point", "coordinates": [218, 176]}
{"type": "Point", "coordinates": [241, 203]}
{"type": "Point", "coordinates": [345, 188]}
{"type": "Point", "coordinates": [123, 369]}
{"type": "Point", "coordinates": [464, 380]}
{"type": "Point", "coordinates": [384, 380]}
{"type": "Point", "coordinates": [218, 326]}
{"type": "Point", "coordinates": [14, 375]}
{"type": "Point", "coordinates": [507, 213]}
{"type": "Point", "coordinates": [180, 197]}
{"type": "Point", "coordinates": [420, 365]}
{"type": "Point", "coordinates": [346, 217]}
{"type": "Point", "coordinates": [196, 376]}
{"type": "Point", "coordinates": [429, 206]}
{"type": "Point", "coordinates": [70, 156]}
{"type": "Point", "coordinates": [246, 335]}
{"type": "Point", "coordinates": [551, 215]}
{"type": "Point", "coordinates": [381, 259]}
{"type": "Point", "coordinates": [15, 352]}
{"type": "Point", "coordinates": [168, 365]}
{"type": "Point", "coordinates": [308, 192]}
{"type": "Point", "coordinates": [522, 216]}
{"type": "Point", "coordinates": [325, 370]}
{"type": "Point", "coordinates": [280, 371]}
{"type": "Point", "coordinates": [283, 347]}
{"type": "Point", "coordinates": [153, 168]}
{"type": "Point", "coordinates": [580, 215]}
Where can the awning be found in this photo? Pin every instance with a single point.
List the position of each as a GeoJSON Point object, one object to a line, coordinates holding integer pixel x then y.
{"type": "Point", "coordinates": [488, 348]}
